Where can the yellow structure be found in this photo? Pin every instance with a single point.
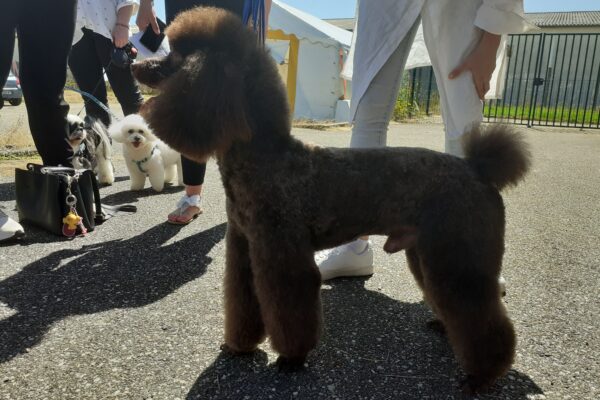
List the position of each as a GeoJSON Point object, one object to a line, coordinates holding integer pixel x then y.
{"type": "Point", "coordinates": [292, 72]}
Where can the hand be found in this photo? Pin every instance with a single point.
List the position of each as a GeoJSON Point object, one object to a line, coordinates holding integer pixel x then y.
{"type": "Point", "coordinates": [120, 36]}
{"type": "Point", "coordinates": [481, 62]}
{"type": "Point", "coordinates": [146, 16]}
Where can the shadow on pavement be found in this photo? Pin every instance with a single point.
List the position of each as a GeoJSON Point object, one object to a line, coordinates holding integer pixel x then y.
{"type": "Point", "coordinates": [373, 347]}
{"type": "Point", "coordinates": [7, 191]}
{"type": "Point", "coordinates": [132, 196]}
{"type": "Point", "coordinates": [104, 276]}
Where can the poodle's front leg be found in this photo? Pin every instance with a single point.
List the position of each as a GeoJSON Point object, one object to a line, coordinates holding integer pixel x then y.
{"type": "Point", "coordinates": [288, 287]}
{"type": "Point", "coordinates": [179, 173]}
{"type": "Point", "coordinates": [169, 173]}
{"type": "Point", "coordinates": [138, 179]}
{"type": "Point", "coordinates": [156, 175]}
{"type": "Point", "coordinates": [244, 328]}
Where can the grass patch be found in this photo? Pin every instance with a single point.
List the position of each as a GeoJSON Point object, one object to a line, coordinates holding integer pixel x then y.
{"type": "Point", "coordinates": [8, 166]}
{"type": "Point", "coordinates": [560, 115]}
{"type": "Point", "coordinates": [17, 136]}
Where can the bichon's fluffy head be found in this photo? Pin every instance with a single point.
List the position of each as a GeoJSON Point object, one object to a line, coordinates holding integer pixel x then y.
{"type": "Point", "coordinates": [133, 131]}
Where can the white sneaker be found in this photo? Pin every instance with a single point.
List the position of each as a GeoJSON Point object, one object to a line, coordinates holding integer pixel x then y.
{"type": "Point", "coordinates": [9, 228]}
{"type": "Point", "coordinates": [345, 261]}
{"type": "Point", "coordinates": [502, 284]}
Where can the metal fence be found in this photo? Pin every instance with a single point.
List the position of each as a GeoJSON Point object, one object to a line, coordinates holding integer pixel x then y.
{"type": "Point", "coordinates": [419, 96]}
{"type": "Point", "coordinates": [551, 80]}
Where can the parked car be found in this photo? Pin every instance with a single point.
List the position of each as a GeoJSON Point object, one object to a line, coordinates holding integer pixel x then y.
{"type": "Point", "coordinates": [12, 91]}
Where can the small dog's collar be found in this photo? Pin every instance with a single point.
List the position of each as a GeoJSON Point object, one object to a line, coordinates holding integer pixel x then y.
{"type": "Point", "coordinates": [140, 162]}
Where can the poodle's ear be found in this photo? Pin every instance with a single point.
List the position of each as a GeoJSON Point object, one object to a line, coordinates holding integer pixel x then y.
{"type": "Point", "coordinates": [202, 108]}
{"type": "Point", "coordinates": [116, 132]}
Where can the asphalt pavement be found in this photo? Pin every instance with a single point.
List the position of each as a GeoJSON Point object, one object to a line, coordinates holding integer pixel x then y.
{"type": "Point", "coordinates": [134, 309]}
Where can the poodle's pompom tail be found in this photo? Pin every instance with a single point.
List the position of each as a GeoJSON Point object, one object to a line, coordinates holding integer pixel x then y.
{"type": "Point", "coordinates": [499, 154]}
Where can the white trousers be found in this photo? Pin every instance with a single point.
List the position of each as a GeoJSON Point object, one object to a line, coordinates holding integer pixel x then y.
{"type": "Point", "coordinates": [448, 44]}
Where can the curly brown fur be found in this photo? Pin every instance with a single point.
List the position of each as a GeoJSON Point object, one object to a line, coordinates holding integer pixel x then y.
{"type": "Point", "coordinates": [498, 154]}
{"type": "Point", "coordinates": [222, 95]}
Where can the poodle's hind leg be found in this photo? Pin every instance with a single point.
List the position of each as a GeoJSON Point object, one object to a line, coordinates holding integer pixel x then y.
{"type": "Point", "coordinates": [138, 179]}
{"type": "Point", "coordinates": [288, 288]}
{"type": "Point", "coordinates": [414, 264]}
{"type": "Point", "coordinates": [244, 328]}
{"type": "Point", "coordinates": [466, 298]}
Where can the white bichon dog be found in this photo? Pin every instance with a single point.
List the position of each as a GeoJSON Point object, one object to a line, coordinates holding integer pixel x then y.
{"type": "Point", "coordinates": [145, 154]}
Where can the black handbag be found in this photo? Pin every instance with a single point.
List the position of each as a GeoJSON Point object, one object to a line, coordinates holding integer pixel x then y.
{"type": "Point", "coordinates": [49, 196]}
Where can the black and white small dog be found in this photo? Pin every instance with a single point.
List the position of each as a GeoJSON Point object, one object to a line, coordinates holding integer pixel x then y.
{"type": "Point", "coordinates": [92, 148]}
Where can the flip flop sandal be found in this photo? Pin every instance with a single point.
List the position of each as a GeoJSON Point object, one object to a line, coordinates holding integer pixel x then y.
{"type": "Point", "coordinates": [182, 205]}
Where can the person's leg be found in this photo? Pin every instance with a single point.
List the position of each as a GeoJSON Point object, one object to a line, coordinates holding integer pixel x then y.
{"type": "Point", "coordinates": [370, 127]}
{"type": "Point", "coordinates": [375, 109]}
{"type": "Point", "coordinates": [9, 10]}
{"type": "Point", "coordinates": [121, 80]}
{"type": "Point", "coordinates": [45, 35]}
{"type": "Point", "coordinates": [188, 206]}
{"type": "Point", "coordinates": [87, 71]}
{"type": "Point", "coordinates": [448, 43]}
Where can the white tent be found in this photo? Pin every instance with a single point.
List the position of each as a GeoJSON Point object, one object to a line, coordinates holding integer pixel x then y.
{"type": "Point", "coordinates": [312, 52]}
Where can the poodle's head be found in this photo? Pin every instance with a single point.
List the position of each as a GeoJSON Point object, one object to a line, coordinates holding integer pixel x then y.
{"type": "Point", "coordinates": [133, 132]}
{"type": "Point", "coordinates": [218, 86]}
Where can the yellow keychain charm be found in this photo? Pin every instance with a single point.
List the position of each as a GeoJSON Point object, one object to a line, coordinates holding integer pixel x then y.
{"type": "Point", "coordinates": [70, 223]}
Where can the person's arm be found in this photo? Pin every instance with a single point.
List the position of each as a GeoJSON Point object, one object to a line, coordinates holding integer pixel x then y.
{"type": "Point", "coordinates": [494, 18]}
{"type": "Point", "coordinates": [481, 62]}
{"type": "Point", "coordinates": [147, 16]}
{"type": "Point", "coordinates": [120, 32]}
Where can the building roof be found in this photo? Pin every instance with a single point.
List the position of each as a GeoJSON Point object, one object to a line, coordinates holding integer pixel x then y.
{"type": "Point", "coordinates": [564, 19]}
{"type": "Point", "coordinates": [543, 20]}
{"type": "Point", "coordinates": [306, 26]}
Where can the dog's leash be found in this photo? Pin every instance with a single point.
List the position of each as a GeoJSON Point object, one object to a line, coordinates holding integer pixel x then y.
{"type": "Point", "coordinates": [94, 99]}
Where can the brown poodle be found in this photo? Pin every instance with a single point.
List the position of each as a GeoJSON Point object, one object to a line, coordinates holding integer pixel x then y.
{"type": "Point", "coordinates": [221, 95]}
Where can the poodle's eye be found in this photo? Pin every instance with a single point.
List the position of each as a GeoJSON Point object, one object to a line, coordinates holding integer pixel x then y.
{"type": "Point", "coordinates": [130, 131]}
{"type": "Point", "coordinates": [140, 131]}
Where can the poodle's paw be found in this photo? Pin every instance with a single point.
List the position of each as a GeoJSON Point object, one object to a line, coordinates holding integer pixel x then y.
{"type": "Point", "coordinates": [136, 188]}
{"type": "Point", "coordinates": [437, 326]}
{"type": "Point", "coordinates": [225, 348]}
{"type": "Point", "coordinates": [290, 364]}
{"type": "Point", "coordinates": [158, 187]}
{"type": "Point", "coordinates": [106, 181]}
{"type": "Point", "coordinates": [473, 385]}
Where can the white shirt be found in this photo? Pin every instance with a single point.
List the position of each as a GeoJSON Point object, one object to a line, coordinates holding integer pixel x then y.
{"type": "Point", "coordinates": [99, 16]}
{"type": "Point", "coordinates": [381, 27]}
